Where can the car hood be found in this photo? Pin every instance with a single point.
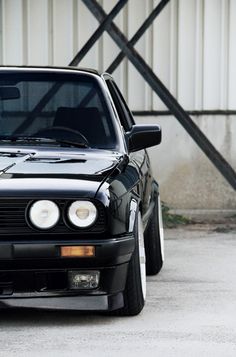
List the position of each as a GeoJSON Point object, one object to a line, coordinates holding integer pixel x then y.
{"type": "Point", "coordinates": [35, 170]}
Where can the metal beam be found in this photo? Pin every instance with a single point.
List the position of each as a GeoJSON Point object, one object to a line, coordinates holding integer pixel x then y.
{"type": "Point", "coordinates": [158, 87]}
{"type": "Point", "coordinates": [79, 56]}
{"type": "Point", "coordinates": [84, 50]}
{"type": "Point", "coordinates": [215, 112]}
{"type": "Point", "coordinates": [95, 36]}
{"type": "Point", "coordinates": [147, 23]}
{"type": "Point", "coordinates": [132, 42]}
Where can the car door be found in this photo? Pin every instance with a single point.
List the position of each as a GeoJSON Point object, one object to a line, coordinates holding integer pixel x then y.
{"type": "Point", "coordinates": [139, 158]}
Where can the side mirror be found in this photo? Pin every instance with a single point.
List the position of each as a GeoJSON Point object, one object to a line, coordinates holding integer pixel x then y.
{"type": "Point", "coordinates": [143, 136]}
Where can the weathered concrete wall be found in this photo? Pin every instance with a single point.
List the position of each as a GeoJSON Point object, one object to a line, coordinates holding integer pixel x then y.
{"type": "Point", "coordinates": [187, 178]}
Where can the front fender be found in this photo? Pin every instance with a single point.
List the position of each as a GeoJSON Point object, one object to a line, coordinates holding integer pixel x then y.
{"type": "Point", "coordinates": [121, 198]}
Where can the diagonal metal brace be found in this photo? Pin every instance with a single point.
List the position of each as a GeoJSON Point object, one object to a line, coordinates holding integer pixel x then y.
{"type": "Point", "coordinates": [158, 87]}
{"type": "Point", "coordinates": [147, 23]}
{"type": "Point", "coordinates": [78, 57]}
{"type": "Point", "coordinates": [84, 50]}
{"type": "Point", "coordinates": [156, 11]}
{"type": "Point", "coordinates": [95, 36]}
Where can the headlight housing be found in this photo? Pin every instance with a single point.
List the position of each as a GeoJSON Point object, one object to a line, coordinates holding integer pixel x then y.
{"type": "Point", "coordinates": [82, 213]}
{"type": "Point", "coordinates": [44, 214]}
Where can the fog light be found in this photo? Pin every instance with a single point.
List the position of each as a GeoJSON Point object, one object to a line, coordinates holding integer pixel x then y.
{"type": "Point", "coordinates": [83, 279]}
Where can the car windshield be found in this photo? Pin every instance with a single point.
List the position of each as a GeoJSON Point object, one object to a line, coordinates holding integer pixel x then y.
{"type": "Point", "coordinates": [55, 106]}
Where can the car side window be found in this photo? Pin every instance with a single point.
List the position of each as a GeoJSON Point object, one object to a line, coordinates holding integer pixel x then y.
{"type": "Point", "coordinates": [124, 113]}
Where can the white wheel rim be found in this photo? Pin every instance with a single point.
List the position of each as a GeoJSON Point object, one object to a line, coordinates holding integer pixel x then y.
{"type": "Point", "coordinates": [161, 230]}
{"type": "Point", "coordinates": [142, 256]}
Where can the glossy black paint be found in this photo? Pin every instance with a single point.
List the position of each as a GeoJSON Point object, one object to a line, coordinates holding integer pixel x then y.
{"type": "Point", "coordinates": [143, 136]}
{"type": "Point", "coordinates": [120, 181]}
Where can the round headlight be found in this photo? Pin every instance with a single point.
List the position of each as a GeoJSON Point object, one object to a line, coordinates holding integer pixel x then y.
{"type": "Point", "coordinates": [44, 214]}
{"type": "Point", "coordinates": [82, 213]}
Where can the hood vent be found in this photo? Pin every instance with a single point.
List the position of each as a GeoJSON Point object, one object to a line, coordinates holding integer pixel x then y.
{"type": "Point", "coordinates": [11, 154]}
{"type": "Point", "coordinates": [55, 160]}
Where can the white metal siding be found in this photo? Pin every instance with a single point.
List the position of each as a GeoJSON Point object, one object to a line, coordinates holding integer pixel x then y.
{"type": "Point", "coordinates": [191, 45]}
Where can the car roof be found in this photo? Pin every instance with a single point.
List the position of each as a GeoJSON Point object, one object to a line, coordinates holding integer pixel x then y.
{"type": "Point", "coordinates": [56, 69]}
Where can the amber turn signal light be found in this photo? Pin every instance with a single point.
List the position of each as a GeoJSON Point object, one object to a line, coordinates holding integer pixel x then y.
{"type": "Point", "coordinates": [82, 251]}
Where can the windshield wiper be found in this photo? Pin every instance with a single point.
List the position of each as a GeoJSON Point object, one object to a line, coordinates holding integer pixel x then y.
{"type": "Point", "coordinates": [29, 139]}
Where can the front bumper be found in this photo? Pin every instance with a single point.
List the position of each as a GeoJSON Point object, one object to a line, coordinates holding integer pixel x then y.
{"type": "Point", "coordinates": [34, 275]}
{"type": "Point", "coordinates": [88, 303]}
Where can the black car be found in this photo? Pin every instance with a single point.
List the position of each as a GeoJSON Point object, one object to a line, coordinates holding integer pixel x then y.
{"type": "Point", "coordinates": [80, 214]}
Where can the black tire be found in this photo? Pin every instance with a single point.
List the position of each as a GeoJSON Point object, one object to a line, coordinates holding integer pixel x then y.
{"type": "Point", "coordinates": [133, 294]}
{"type": "Point", "coordinates": [154, 258]}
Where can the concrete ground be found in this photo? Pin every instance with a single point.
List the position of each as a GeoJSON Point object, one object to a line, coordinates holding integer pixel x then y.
{"type": "Point", "coordinates": [190, 309]}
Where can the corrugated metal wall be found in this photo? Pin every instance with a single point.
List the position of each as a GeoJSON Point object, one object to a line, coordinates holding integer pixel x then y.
{"type": "Point", "coordinates": [191, 45]}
